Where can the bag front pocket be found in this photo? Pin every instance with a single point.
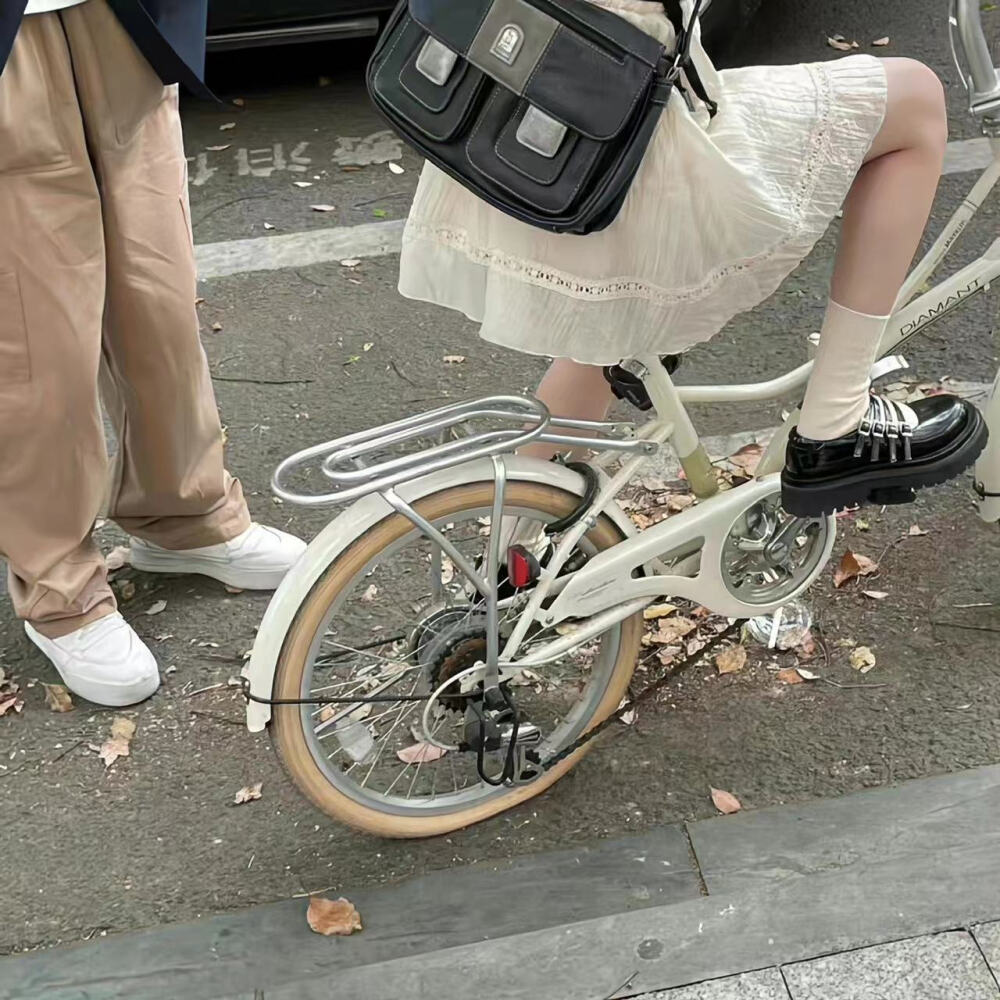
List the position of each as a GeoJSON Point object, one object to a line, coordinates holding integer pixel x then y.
{"type": "Point", "coordinates": [15, 367]}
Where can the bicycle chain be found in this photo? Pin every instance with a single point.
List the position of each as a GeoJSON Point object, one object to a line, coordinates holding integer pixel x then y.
{"type": "Point", "coordinates": [647, 692]}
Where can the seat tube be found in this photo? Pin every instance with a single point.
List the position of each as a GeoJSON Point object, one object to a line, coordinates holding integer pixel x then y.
{"type": "Point", "coordinates": [670, 409]}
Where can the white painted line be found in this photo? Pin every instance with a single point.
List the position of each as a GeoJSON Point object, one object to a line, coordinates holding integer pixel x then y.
{"type": "Point", "coordinates": [379, 239]}
{"type": "Point", "coordinates": [315, 246]}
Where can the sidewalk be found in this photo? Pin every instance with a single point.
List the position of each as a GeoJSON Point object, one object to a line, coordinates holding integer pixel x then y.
{"type": "Point", "coordinates": [891, 893]}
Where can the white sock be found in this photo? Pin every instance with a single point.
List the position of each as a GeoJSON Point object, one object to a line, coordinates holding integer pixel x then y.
{"type": "Point", "coordinates": [837, 393]}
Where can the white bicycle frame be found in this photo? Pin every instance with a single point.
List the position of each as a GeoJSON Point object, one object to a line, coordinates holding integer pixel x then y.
{"type": "Point", "coordinates": [608, 589]}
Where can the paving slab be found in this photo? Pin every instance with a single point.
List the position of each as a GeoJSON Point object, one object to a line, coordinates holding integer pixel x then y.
{"type": "Point", "coordinates": [942, 967]}
{"type": "Point", "coordinates": [764, 985]}
{"type": "Point", "coordinates": [988, 937]}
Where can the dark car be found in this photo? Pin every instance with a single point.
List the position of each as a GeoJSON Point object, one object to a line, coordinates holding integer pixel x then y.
{"type": "Point", "coordinates": [236, 24]}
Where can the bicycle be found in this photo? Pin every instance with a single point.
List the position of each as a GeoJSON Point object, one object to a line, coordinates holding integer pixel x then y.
{"type": "Point", "coordinates": [450, 643]}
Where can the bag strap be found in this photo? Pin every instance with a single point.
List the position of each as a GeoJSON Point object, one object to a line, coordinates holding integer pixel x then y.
{"type": "Point", "coordinates": [682, 57]}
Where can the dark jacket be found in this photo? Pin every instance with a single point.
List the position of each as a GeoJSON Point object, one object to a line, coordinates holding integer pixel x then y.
{"type": "Point", "coordinates": [170, 33]}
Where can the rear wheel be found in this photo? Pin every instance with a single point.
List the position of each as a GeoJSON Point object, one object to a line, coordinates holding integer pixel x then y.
{"type": "Point", "coordinates": [392, 618]}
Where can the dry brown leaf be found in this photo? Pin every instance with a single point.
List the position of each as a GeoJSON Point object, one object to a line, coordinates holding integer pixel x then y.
{"type": "Point", "coordinates": [118, 557]}
{"type": "Point", "coordinates": [837, 42]}
{"type": "Point", "coordinates": [453, 359]}
{"type": "Point", "coordinates": [731, 660]}
{"type": "Point", "coordinates": [248, 793]}
{"type": "Point", "coordinates": [806, 675]}
{"type": "Point", "coordinates": [216, 327]}
{"type": "Point", "coordinates": [350, 262]}
{"type": "Point", "coordinates": [671, 629]}
{"type": "Point", "coordinates": [227, 126]}
{"type": "Point", "coordinates": [863, 659]}
{"type": "Point", "coordinates": [806, 649]}
{"type": "Point", "coordinates": [916, 531]}
{"type": "Point", "coordinates": [396, 168]}
{"type": "Point", "coordinates": [57, 698]}
{"type": "Point", "coordinates": [370, 594]}
{"type": "Point", "coordinates": [323, 208]}
{"type": "Point", "coordinates": [667, 654]}
{"type": "Point", "coordinates": [420, 753]}
{"type": "Point", "coordinates": [876, 595]}
{"type": "Point", "coordinates": [233, 590]}
{"type": "Point", "coordinates": [122, 731]}
{"type": "Point", "coordinates": [10, 700]}
{"type": "Point", "coordinates": [156, 607]}
{"type": "Point", "coordinates": [127, 590]}
{"type": "Point", "coordinates": [333, 916]}
{"type": "Point", "coordinates": [725, 802]}
{"type": "Point", "coordinates": [748, 458]}
{"type": "Point", "coordinates": [790, 676]}
{"type": "Point", "coordinates": [658, 611]}
{"type": "Point", "coordinates": [851, 566]}
{"type": "Point", "coordinates": [881, 41]}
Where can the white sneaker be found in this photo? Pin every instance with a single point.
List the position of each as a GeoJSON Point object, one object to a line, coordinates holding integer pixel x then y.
{"type": "Point", "coordinates": [104, 662]}
{"type": "Point", "coordinates": [256, 560]}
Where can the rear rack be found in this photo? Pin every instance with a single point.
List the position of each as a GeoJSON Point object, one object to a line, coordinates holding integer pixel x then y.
{"type": "Point", "coordinates": [373, 460]}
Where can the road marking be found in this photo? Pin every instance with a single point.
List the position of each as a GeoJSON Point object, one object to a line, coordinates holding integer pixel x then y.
{"type": "Point", "coordinates": [380, 239]}
{"type": "Point", "coordinates": [317, 246]}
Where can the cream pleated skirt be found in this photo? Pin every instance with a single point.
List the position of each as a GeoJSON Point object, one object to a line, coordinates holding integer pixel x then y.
{"type": "Point", "coordinates": [719, 213]}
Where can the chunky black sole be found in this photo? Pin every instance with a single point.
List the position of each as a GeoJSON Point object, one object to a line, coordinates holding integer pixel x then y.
{"type": "Point", "coordinates": [886, 484]}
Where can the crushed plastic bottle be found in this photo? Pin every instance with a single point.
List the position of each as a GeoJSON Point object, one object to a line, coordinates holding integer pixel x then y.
{"type": "Point", "coordinates": [787, 628]}
{"type": "Point", "coordinates": [356, 739]}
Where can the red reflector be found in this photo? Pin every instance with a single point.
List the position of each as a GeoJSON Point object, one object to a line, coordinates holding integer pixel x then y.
{"type": "Point", "coordinates": [522, 566]}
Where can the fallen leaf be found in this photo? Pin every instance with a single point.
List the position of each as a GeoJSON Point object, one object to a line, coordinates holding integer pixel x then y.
{"type": "Point", "coordinates": [118, 557]}
{"type": "Point", "coordinates": [11, 700]}
{"type": "Point", "coordinates": [453, 359]}
{"type": "Point", "coordinates": [303, 184]}
{"type": "Point", "coordinates": [239, 102]}
{"type": "Point", "coordinates": [332, 916]}
{"type": "Point", "coordinates": [916, 531]}
{"type": "Point", "coordinates": [156, 608]}
{"type": "Point", "coordinates": [350, 262]}
{"type": "Point", "coordinates": [725, 802]}
{"type": "Point", "coordinates": [731, 660]}
{"type": "Point", "coordinates": [420, 753]}
{"type": "Point", "coordinates": [216, 327]}
{"type": "Point", "coordinates": [267, 225]}
{"type": "Point", "coordinates": [677, 502]}
{"type": "Point", "coordinates": [863, 659]}
{"type": "Point", "coordinates": [248, 793]}
{"type": "Point", "coordinates": [806, 675]}
{"type": "Point", "coordinates": [323, 208]}
{"type": "Point", "coordinates": [367, 347]}
{"type": "Point", "coordinates": [881, 41]}
{"type": "Point", "coordinates": [396, 168]}
{"type": "Point", "coordinates": [57, 698]}
{"type": "Point", "coordinates": [658, 611]}
{"type": "Point", "coordinates": [122, 731]}
{"type": "Point", "coordinates": [790, 675]}
{"type": "Point", "coordinates": [748, 458]}
{"type": "Point", "coordinates": [876, 595]}
{"type": "Point", "coordinates": [841, 44]}
{"type": "Point", "coordinates": [806, 648]}
{"type": "Point", "coordinates": [227, 126]}
{"type": "Point", "coordinates": [218, 149]}
{"type": "Point", "coordinates": [862, 525]}
{"type": "Point", "coordinates": [127, 590]}
{"type": "Point", "coordinates": [853, 565]}
{"type": "Point", "coordinates": [370, 593]}
{"type": "Point", "coordinates": [671, 629]}
{"type": "Point", "coordinates": [233, 590]}
{"type": "Point", "coordinates": [380, 213]}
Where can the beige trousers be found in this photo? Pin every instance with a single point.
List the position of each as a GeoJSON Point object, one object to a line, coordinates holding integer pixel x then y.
{"type": "Point", "coordinates": [97, 287]}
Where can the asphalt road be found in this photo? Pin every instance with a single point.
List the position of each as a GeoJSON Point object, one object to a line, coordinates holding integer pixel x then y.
{"type": "Point", "coordinates": [86, 852]}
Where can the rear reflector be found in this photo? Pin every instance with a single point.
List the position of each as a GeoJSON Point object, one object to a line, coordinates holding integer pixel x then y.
{"type": "Point", "coordinates": [522, 567]}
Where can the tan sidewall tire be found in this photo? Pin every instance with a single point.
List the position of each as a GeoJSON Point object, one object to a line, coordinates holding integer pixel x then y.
{"type": "Point", "coordinates": [290, 738]}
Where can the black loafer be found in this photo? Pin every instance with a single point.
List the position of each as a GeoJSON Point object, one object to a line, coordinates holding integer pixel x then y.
{"type": "Point", "coordinates": [896, 450]}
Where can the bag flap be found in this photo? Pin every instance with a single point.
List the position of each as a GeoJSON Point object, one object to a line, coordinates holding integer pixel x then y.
{"type": "Point", "coordinates": [581, 64]}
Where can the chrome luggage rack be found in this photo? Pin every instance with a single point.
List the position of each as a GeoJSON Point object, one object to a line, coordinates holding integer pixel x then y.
{"type": "Point", "coordinates": [357, 464]}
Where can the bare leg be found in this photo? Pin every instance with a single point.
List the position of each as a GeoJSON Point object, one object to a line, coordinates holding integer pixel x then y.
{"type": "Point", "coordinates": [884, 218]}
{"type": "Point", "coordinates": [571, 389]}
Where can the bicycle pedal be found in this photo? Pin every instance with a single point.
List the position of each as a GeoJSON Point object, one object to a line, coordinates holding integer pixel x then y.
{"type": "Point", "coordinates": [892, 495]}
{"type": "Point", "coordinates": [628, 386]}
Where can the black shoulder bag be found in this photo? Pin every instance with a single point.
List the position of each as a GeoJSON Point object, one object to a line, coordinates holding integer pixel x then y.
{"type": "Point", "coordinates": [542, 108]}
